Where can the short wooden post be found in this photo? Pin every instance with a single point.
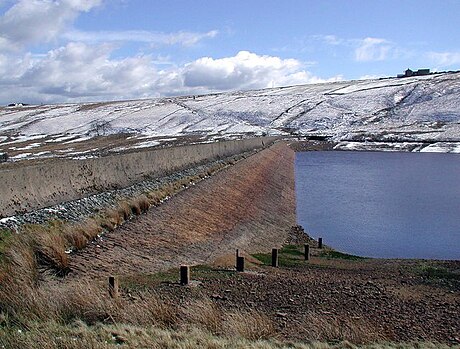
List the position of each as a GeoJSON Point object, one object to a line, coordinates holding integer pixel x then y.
{"type": "Point", "coordinates": [236, 257]}
{"type": "Point", "coordinates": [184, 275]}
{"type": "Point", "coordinates": [274, 257]}
{"type": "Point", "coordinates": [239, 263]}
{"type": "Point", "coordinates": [307, 252]}
{"type": "Point", "coordinates": [113, 286]}
{"type": "Point", "coordinates": [320, 242]}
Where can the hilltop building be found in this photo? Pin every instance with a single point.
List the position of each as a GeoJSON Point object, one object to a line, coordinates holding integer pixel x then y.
{"type": "Point", "coordinates": [410, 72]}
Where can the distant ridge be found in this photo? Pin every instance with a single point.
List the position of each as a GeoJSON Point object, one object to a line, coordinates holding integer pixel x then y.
{"type": "Point", "coordinates": [414, 109]}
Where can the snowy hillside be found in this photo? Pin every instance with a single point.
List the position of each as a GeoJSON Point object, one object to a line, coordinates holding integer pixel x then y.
{"type": "Point", "coordinates": [415, 110]}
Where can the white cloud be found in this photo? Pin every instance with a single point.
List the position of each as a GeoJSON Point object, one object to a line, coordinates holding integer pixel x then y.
{"type": "Point", "coordinates": [246, 70]}
{"type": "Point", "coordinates": [366, 49]}
{"type": "Point", "coordinates": [78, 70]}
{"type": "Point", "coordinates": [373, 49]}
{"type": "Point", "coordinates": [83, 72]}
{"type": "Point", "coordinates": [84, 67]}
{"type": "Point", "coordinates": [329, 39]}
{"type": "Point", "coordinates": [444, 59]}
{"type": "Point", "coordinates": [154, 38]}
{"type": "Point", "coordinates": [36, 21]}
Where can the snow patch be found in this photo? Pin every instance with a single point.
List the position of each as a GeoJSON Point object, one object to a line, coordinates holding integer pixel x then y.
{"type": "Point", "coordinates": [146, 144]}
{"type": "Point", "coordinates": [7, 219]}
{"type": "Point", "coordinates": [28, 147]}
{"type": "Point", "coordinates": [444, 147]}
{"type": "Point", "coordinates": [80, 139]}
{"type": "Point", "coordinates": [20, 156]}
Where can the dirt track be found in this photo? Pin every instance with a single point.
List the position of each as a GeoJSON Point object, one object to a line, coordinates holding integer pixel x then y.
{"type": "Point", "coordinates": [224, 212]}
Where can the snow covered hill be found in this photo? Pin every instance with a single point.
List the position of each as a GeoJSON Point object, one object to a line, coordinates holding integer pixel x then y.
{"type": "Point", "coordinates": [424, 111]}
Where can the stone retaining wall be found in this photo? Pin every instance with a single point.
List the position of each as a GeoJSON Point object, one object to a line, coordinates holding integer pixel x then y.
{"type": "Point", "coordinates": [30, 187]}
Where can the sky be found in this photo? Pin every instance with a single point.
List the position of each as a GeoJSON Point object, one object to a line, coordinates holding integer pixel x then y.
{"type": "Point", "coordinates": [55, 51]}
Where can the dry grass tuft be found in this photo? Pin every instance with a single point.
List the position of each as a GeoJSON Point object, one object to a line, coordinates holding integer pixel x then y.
{"type": "Point", "coordinates": [148, 310]}
{"type": "Point", "coordinates": [106, 224]}
{"type": "Point", "coordinates": [204, 314]}
{"type": "Point", "coordinates": [115, 216]}
{"type": "Point", "coordinates": [135, 207]}
{"type": "Point", "coordinates": [48, 244]}
{"type": "Point", "coordinates": [79, 235]}
{"type": "Point", "coordinates": [143, 203]}
{"type": "Point", "coordinates": [50, 252]}
{"type": "Point", "coordinates": [331, 328]}
{"type": "Point", "coordinates": [252, 325]}
{"type": "Point", "coordinates": [84, 301]}
{"type": "Point", "coordinates": [79, 335]}
{"type": "Point", "coordinates": [75, 238]}
{"type": "Point", "coordinates": [138, 205]}
{"type": "Point", "coordinates": [124, 210]}
{"type": "Point", "coordinates": [20, 265]}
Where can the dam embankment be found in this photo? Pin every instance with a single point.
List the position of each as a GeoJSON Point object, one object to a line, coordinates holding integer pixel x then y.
{"type": "Point", "coordinates": [25, 188]}
{"type": "Point", "coordinates": [250, 206]}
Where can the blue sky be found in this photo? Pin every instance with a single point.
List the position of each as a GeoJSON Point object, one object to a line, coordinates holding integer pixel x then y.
{"type": "Point", "coordinates": [86, 50]}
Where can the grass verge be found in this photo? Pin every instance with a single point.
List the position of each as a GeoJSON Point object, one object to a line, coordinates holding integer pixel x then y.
{"type": "Point", "coordinates": [79, 335]}
{"type": "Point", "coordinates": [288, 256]}
{"type": "Point", "coordinates": [439, 272]}
{"type": "Point", "coordinates": [331, 254]}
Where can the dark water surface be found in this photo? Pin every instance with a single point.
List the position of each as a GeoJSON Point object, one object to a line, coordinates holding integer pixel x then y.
{"type": "Point", "coordinates": [391, 205]}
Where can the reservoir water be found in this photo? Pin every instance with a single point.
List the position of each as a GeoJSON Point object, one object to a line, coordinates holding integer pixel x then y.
{"type": "Point", "coordinates": [381, 204]}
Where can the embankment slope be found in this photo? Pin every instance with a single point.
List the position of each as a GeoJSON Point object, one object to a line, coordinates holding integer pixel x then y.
{"type": "Point", "coordinates": [249, 206]}
{"type": "Point", "coordinates": [25, 188]}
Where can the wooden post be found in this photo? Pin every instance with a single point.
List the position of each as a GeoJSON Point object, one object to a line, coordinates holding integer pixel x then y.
{"type": "Point", "coordinates": [184, 275]}
{"type": "Point", "coordinates": [113, 286]}
{"type": "Point", "coordinates": [236, 258]}
{"type": "Point", "coordinates": [274, 257]}
{"type": "Point", "coordinates": [239, 263]}
{"type": "Point", "coordinates": [307, 252]}
{"type": "Point", "coordinates": [320, 242]}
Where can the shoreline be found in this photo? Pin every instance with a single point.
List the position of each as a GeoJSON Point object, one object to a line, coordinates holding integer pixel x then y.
{"type": "Point", "coordinates": [441, 147]}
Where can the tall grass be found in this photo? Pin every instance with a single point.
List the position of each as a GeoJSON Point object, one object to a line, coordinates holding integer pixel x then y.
{"type": "Point", "coordinates": [250, 324]}
{"type": "Point", "coordinates": [113, 336]}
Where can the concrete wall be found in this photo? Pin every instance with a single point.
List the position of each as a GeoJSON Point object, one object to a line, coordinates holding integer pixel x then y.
{"type": "Point", "coordinates": [29, 187]}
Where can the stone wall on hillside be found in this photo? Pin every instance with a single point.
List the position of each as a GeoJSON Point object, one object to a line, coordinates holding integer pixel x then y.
{"type": "Point", "coordinates": [26, 188]}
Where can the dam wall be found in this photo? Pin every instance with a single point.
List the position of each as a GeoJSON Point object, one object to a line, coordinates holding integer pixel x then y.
{"type": "Point", "coordinates": [249, 206]}
{"type": "Point", "coordinates": [25, 188]}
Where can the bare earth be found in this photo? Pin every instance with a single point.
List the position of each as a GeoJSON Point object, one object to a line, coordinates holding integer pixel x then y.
{"type": "Point", "coordinates": [331, 299]}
